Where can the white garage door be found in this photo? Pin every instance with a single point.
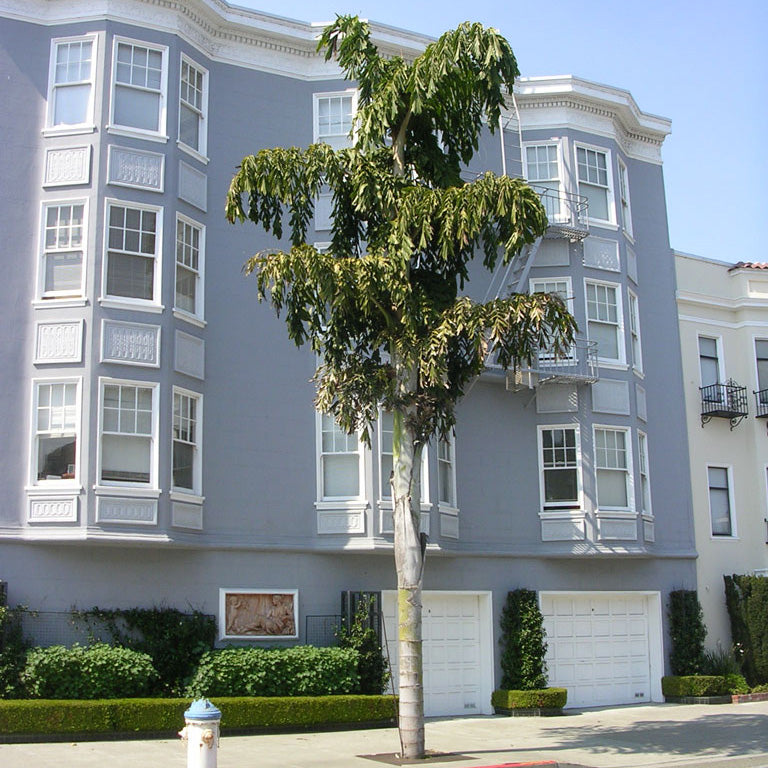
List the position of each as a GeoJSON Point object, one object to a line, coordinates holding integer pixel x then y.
{"type": "Point", "coordinates": [600, 646]}
{"type": "Point", "coordinates": [456, 632]}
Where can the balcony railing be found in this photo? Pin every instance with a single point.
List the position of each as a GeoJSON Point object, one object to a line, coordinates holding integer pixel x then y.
{"type": "Point", "coordinates": [578, 365]}
{"type": "Point", "coordinates": [761, 404]}
{"type": "Point", "coordinates": [724, 401]}
{"type": "Point", "coordinates": [567, 213]}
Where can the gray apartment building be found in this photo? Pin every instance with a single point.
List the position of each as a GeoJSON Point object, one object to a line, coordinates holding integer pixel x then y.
{"type": "Point", "coordinates": [160, 442]}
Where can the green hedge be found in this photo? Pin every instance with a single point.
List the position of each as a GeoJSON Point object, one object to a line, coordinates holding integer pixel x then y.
{"type": "Point", "coordinates": [93, 672]}
{"type": "Point", "coordinates": [299, 671]}
{"type": "Point", "coordinates": [523, 642]}
{"type": "Point", "coordinates": [544, 698]}
{"type": "Point", "coordinates": [686, 632]}
{"type": "Point", "coordinates": [703, 685]}
{"type": "Point", "coordinates": [747, 600]}
{"type": "Point", "coordinates": [162, 715]}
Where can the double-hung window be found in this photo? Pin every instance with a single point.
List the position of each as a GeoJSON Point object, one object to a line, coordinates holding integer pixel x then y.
{"type": "Point", "coordinates": [543, 173]}
{"type": "Point", "coordinates": [634, 332]}
{"type": "Point", "coordinates": [645, 484]}
{"type": "Point", "coordinates": [595, 182]}
{"type": "Point", "coordinates": [190, 258]}
{"type": "Point", "coordinates": [187, 434]}
{"type": "Point", "coordinates": [193, 106]}
{"type": "Point", "coordinates": [139, 87]}
{"type": "Point", "coordinates": [70, 83]}
{"type": "Point", "coordinates": [560, 468]}
{"type": "Point", "coordinates": [386, 459]}
{"type": "Point", "coordinates": [709, 361]}
{"type": "Point", "coordinates": [560, 287]}
{"type": "Point", "coordinates": [55, 431]}
{"type": "Point", "coordinates": [626, 211]}
{"type": "Point", "coordinates": [612, 464]}
{"type": "Point", "coordinates": [128, 453]}
{"type": "Point", "coordinates": [604, 320]}
{"type": "Point", "coordinates": [446, 471]}
{"type": "Point", "coordinates": [334, 118]}
{"type": "Point", "coordinates": [340, 462]}
{"type": "Point", "coordinates": [720, 506]}
{"type": "Point", "coordinates": [63, 236]}
{"type": "Point", "coordinates": [761, 360]}
{"type": "Point", "coordinates": [133, 251]}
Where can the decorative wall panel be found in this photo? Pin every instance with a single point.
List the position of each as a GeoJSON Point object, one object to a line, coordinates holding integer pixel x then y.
{"type": "Point", "coordinates": [59, 342]}
{"type": "Point", "coordinates": [53, 509]}
{"type": "Point", "coordinates": [67, 167]}
{"type": "Point", "coordinates": [193, 186]}
{"type": "Point", "coordinates": [557, 398]}
{"type": "Point", "coordinates": [130, 343]}
{"type": "Point", "coordinates": [114, 509]}
{"type": "Point", "coordinates": [187, 516]}
{"type": "Point", "coordinates": [135, 168]}
{"type": "Point", "coordinates": [601, 253]}
{"type": "Point", "coordinates": [189, 355]}
{"type": "Point", "coordinates": [610, 396]}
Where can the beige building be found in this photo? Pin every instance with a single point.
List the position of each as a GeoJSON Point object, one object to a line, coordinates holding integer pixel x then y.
{"type": "Point", "coordinates": [723, 310]}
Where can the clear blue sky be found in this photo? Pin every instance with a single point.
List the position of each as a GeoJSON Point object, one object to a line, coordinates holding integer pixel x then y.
{"type": "Point", "coordinates": [701, 63]}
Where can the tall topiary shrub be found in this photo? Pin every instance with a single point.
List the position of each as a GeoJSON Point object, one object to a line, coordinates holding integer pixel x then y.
{"type": "Point", "coordinates": [746, 598]}
{"type": "Point", "coordinates": [362, 637]}
{"type": "Point", "coordinates": [523, 667]}
{"type": "Point", "coordinates": [686, 632]}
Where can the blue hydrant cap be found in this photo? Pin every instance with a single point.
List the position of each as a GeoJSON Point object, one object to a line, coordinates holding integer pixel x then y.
{"type": "Point", "coordinates": [202, 709]}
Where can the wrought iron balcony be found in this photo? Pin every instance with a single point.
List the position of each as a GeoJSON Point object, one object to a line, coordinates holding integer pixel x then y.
{"type": "Point", "coordinates": [566, 212]}
{"type": "Point", "coordinates": [724, 401]}
{"type": "Point", "coordinates": [761, 404]}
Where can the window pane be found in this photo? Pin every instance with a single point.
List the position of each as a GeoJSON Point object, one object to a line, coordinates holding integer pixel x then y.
{"type": "Point", "coordinates": [63, 272]}
{"type": "Point", "coordinates": [189, 127]}
{"type": "Point", "coordinates": [56, 458]}
{"type": "Point", "coordinates": [340, 475]}
{"type": "Point", "coordinates": [560, 485]}
{"type": "Point", "coordinates": [130, 276]}
{"type": "Point", "coordinates": [607, 339]}
{"type": "Point", "coordinates": [183, 459]}
{"type": "Point", "coordinates": [125, 458]}
{"type": "Point", "coordinates": [611, 488]}
{"type": "Point", "coordinates": [71, 104]}
{"type": "Point", "coordinates": [137, 109]}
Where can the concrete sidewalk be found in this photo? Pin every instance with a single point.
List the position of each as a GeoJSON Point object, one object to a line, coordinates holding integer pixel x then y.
{"type": "Point", "coordinates": [720, 736]}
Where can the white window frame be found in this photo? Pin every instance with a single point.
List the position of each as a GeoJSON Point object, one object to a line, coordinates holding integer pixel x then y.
{"type": "Point", "coordinates": [610, 203]}
{"type": "Point", "coordinates": [35, 434]}
{"type": "Point", "coordinates": [385, 500]}
{"type": "Point", "coordinates": [159, 134]}
{"type": "Point", "coordinates": [719, 350]}
{"type": "Point", "coordinates": [451, 505]}
{"type": "Point", "coordinates": [635, 339]}
{"type": "Point", "coordinates": [196, 317]}
{"type": "Point", "coordinates": [201, 151]}
{"type": "Point", "coordinates": [132, 486]}
{"type": "Point", "coordinates": [755, 340]}
{"type": "Point", "coordinates": [562, 214]}
{"type": "Point", "coordinates": [196, 490]}
{"type": "Point", "coordinates": [564, 506]}
{"type": "Point", "coordinates": [539, 285]}
{"type": "Point", "coordinates": [625, 206]}
{"type": "Point", "coordinates": [731, 506]}
{"type": "Point", "coordinates": [88, 124]}
{"type": "Point", "coordinates": [338, 501]}
{"type": "Point", "coordinates": [337, 141]}
{"type": "Point", "coordinates": [627, 470]}
{"type": "Point", "coordinates": [130, 302]}
{"type": "Point", "coordinates": [619, 325]}
{"type": "Point", "coordinates": [646, 501]}
{"type": "Point", "coordinates": [44, 251]}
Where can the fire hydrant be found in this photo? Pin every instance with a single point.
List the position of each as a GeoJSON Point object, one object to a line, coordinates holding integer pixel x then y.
{"type": "Point", "coordinates": [201, 733]}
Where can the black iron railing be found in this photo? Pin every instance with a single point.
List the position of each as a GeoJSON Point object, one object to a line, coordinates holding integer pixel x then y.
{"type": "Point", "coordinates": [724, 401]}
{"type": "Point", "coordinates": [761, 404]}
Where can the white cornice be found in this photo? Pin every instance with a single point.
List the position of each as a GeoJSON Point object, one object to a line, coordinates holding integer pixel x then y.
{"type": "Point", "coordinates": [565, 101]}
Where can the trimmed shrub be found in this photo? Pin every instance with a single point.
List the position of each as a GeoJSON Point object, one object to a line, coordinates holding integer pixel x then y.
{"type": "Point", "coordinates": [544, 698]}
{"type": "Point", "coordinates": [362, 637]}
{"type": "Point", "coordinates": [522, 640]}
{"type": "Point", "coordinates": [686, 632]}
{"type": "Point", "coordinates": [747, 600]}
{"type": "Point", "coordinates": [94, 672]}
{"type": "Point", "coordinates": [703, 685]}
{"type": "Point", "coordinates": [167, 715]}
{"type": "Point", "coordinates": [761, 688]}
{"type": "Point", "coordinates": [298, 671]}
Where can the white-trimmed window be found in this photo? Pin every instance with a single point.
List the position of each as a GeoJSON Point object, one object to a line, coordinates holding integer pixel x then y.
{"type": "Point", "coordinates": [63, 239]}
{"type": "Point", "coordinates": [341, 474]}
{"type": "Point", "coordinates": [139, 86]}
{"type": "Point", "coordinates": [334, 115]}
{"type": "Point", "coordinates": [542, 170]}
{"type": "Point", "coordinates": [559, 286]}
{"type": "Point", "coordinates": [612, 462]}
{"type": "Point", "coordinates": [70, 82]}
{"type": "Point", "coordinates": [190, 261]}
{"type": "Point", "coordinates": [634, 333]}
{"type": "Point", "coordinates": [709, 361]}
{"type": "Point", "coordinates": [624, 206]}
{"type": "Point", "coordinates": [193, 106]}
{"type": "Point", "coordinates": [386, 460]}
{"type": "Point", "coordinates": [187, 441]}
{"type": "Point", "coordinates": [56, 423]}
{"type": "Point", "coordinates": [761, 362]}
{"type": "Point", "coordinates": [720, 501]}
{"type": "Point", "coordinates": [594, 174]}
{"type": "Point", "coordinates": [604, 320]}
{"type": "Point", "coordinates": [645, 483]}
{"type": "Point", "coordinates": [446, 471]}
{"type": "Point", "coordinates": [560, 467]}
{"type": "Point", "coordinates": [128, 435]}
{"type": "Point", "coordinates": [133, 252]}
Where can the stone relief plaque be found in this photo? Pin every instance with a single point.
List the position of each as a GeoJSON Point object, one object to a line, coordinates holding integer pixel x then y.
{"type": "Point", "coordinates": [270, 614]}
{"type": "Point", "coordinates": [67, 166]}
{"type": "Point", "coordinates": [135, 168]}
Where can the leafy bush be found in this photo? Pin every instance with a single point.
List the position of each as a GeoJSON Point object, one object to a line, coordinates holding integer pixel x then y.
{"type": "Point", "coordinates": [686, 632]}
{"type": "Point", "coordinates": [94, 672]}
{"type": "Point", "coordinates": [167, 715]}
{"type": "Point", "coordinates": [736, 683]}
{"type": "Point", "coordinates": [544, 698]}
{"type": "Point", "coordinates": [13, 652]}
{"type": "Point", "coordinates": [703, 685]}
{"type": "Point", "coordinates": [719, 662]}
{"type": "Point", "coordinates": [298, 671]}
{"type": "Point", "coordinates": [174, 640]}
{"type": "Point", "coordinates": [747, 600]}
{"type": "Point", "coordinates": [523, 646]}
{"type": "Point", "coordinates": [761, 688]}
{"type": "Point", "coordinates": [362, 637]}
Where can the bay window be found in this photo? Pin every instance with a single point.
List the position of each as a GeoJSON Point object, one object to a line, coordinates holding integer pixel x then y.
{"type": "Point", "coordinates": [70, 83]}
{"type": "Point", "coordinates": [139, 87]}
